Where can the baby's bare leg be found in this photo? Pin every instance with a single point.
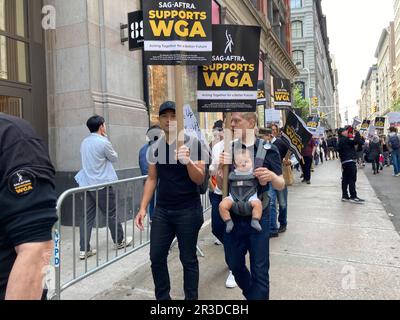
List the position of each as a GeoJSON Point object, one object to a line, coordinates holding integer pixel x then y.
{"type": "Point", "coordinates": [257, 214]}
{"type": "Point", "coordinates": [224, 211]}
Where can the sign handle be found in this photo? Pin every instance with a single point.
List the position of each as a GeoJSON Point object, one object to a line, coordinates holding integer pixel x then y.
{"type": "Point", "coordinates": [227, 146]}
{"type": "Point", "coordinates": [179, 105]}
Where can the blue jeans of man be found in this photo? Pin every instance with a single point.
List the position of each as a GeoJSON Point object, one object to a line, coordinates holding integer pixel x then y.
{"type": "Point", "coordinates": [166, 225]}
{"type": "Point", "coordinates": [396, 161]}
{"type": "Point", "coordinates": [242, 240]}
{"type": "Point", "coordinates": [217, 224]}
{"type": "Point", "coordinates": [282, 197]}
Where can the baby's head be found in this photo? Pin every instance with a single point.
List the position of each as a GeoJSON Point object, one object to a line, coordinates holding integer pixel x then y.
{"type": "Point", "coordinates": [243, 160]}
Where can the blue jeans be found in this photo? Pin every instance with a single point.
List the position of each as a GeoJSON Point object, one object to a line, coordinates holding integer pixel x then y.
{"type": "Point", "coordinates": [243, 239]}
{"type": "Point", "coordinates": [396, 161]}
{"type": "Point", "coordinates": [166, 225]}
{"type": "Point", "coordinates": [217, 224]}
{"type": "Point", "coordinates": [282, 197]}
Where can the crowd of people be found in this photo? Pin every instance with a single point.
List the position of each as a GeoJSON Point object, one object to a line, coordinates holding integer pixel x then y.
{"type": "Point", "coordinates": [254, 210]}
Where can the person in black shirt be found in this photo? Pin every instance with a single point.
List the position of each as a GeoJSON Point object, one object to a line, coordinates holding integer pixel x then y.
{"type": "Point", "coordinates": [243, 238]}
{"type": "Point", "coordinates": [348, 156]}
{"type": "Point", "coordinates": [27, 210]}
{"type": "Point", "coordinates": [177, 176]}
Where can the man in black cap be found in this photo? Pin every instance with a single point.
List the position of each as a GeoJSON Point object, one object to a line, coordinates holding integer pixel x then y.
{"type": "Point", "coordinates": [27, 210]}
{"type": "Point", "coordinates": [177, 175]}
{"type": "Point", "coordinates": [348, 156]}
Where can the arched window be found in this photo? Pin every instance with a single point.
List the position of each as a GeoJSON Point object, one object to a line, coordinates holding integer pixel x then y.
{"type": "Point", "coordinates": [297, 29]}
{"type": "Point", "coordinates": [298, 58]}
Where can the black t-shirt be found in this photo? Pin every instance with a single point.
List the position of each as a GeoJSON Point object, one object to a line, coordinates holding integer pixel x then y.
{"type": "Point", "coordinates": [27, 193]}
{"type": "Point", "coordinates": [282, 147]}
{"type": "Point", "coordinates": [176, 191]}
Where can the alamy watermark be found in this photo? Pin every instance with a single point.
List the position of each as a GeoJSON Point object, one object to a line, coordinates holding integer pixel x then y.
{"type": "Point", "coordinates": [349, 281]}
{"type": "Point", "coordinates": [49, 18]}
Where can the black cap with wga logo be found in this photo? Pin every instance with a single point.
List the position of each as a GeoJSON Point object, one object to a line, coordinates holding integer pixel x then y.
{"type": "Point", "coordinates": [168, 105]}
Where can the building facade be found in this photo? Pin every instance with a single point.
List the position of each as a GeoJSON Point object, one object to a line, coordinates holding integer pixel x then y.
{"type": "Point", "coordinates": [370, 95]}
{"type": "Point", "coordinates": [396, 27]}
{"type": "Point", "coordinates": [386, 64]}
{"type": "Point", "coordinates": [63, 61]}
{"type": "Point", "coordinates": [310, 52]}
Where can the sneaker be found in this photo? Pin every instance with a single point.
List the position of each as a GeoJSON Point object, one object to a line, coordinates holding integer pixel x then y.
{"type": "Point", "coordinates": [282, 229]}
{"type": "Point", "coordinates": [217, 242]}
{"type": "Point", "coordinates": [345, 199]}
{"type": "Point", "coordinates": [230, 282]}
{"type": "Point", "coordinates": [124, 244]}
{"type": "Point", "coordinates": [397, 175]}
{"type": "Point", "coordinates": [357, 200]}
{"type": "Point", "coordinates": [308, 182]}
{"type": "Point", "coordinates": [274, 235]}
{"type": "Point", "coordinates": [85, 255]}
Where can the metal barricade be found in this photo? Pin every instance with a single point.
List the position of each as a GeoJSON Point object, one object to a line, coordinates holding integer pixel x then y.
{"type": "Point", "coordinates": [100, 201]}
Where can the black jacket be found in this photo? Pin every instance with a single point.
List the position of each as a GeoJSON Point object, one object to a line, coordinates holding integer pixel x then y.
{"type": "Point", "coordinates": [347, 147]}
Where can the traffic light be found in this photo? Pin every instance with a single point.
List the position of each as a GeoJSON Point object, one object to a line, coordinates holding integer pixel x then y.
{"type": "Point", "coordinates": [374, 109]}
{"type": "Point", "coordinates": [314, 101]}
{"type": "Point", "coordinates": [322, 115]}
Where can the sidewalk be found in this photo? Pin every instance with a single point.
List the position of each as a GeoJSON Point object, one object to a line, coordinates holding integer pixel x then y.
{"type": "Point", "coordinates": [331, 250]}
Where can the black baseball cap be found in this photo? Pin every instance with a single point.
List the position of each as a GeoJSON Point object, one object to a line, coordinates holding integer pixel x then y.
{"type": "Point", "coordinates": [168, 105]}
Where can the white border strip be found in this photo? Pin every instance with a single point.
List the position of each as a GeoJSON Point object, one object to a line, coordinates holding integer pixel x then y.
{"type": "Point", "coordinates": [227, 95]}
{"type": "Point", "coordinates": [178, 45]}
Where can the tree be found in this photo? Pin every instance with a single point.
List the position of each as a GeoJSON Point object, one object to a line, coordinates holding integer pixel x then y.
{"type": "Point", "coordinates": [396, 106]}
{"type": "Point", "coordinates": [301, 103]}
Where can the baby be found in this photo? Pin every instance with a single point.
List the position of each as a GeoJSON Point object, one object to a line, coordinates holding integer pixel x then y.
{"type": "Point", "coordinates": [243, 163]}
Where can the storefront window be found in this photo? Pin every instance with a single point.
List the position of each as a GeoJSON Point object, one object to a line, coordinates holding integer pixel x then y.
{"type": "Point", "coordinates": [14, 51]}
{"type": "Point", "coordinates": [11, 106]}
{"type": "Point", "coordinates": [13, 60]}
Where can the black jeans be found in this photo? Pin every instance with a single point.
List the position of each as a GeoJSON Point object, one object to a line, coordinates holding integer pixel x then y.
{"type": "Point", "coordinates": [117, 233]}
{"type": "Point", "coordinates": [375, 163]}
{"type": "Point", "coordinates": [306, 166]}
{"type": "Point", "coordinates": [349, 180]}
{"type": "Point", "coordinates": [166, 225]}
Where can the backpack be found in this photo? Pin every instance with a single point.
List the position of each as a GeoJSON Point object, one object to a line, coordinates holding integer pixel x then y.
{"type": "Point", "coordinates": [394, 142]}
{"type": "Point", "coordinates": [262, 149]}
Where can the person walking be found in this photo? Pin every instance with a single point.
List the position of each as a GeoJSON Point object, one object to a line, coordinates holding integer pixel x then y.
{"type": "Point", "coordinates": [177, 175]}
{"type": "Point", "coordinates": [98, 155]}
{"type": "Point", "coordinates": [215, 194]}
{"type": "Point", "coordinates": [348, 157]}
{"type": "Point", "coordinates": [324, 147]}
{"type": "Point", "coordinates": [386, 152]}
{"type": "Point", "coordinates": [375, 150]}
{"type": "Point", "coordinates": [152, 135]}
{"type": "Point", "coordinates": [244, 239]}
{"type": "Point", "coordinates": [394, 145]}
{"type": "Point", "coordinates": [308, 155]}
{"type": "Point", "coordinates": [27, 210]}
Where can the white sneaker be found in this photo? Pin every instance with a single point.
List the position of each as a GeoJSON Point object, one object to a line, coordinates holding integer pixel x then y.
{"type": "Point", "coordinates": [84, 255]}
{"type": "Point", "coordinates": [398, 175]}
{"type": "Point", "coordinates": [230, 282]}
{"type": "Point", "coordinates": [217, 242]}
{"type": "Point", "coordinates": [125, 243]}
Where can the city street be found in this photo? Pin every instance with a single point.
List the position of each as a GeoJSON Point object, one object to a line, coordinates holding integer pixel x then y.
{"type": "Point", "coordinates": [387, 190]}
{"type": "Point", "coordinates": [331, 250]}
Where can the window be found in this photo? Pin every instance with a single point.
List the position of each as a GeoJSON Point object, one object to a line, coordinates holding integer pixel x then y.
{"type": "Point", "coordinates": [297, 29]}
{"type": "Point", "coordinates": [298, 58]}
{"type": "Point", "coordinates": [14, 52]}
{"type": "Point", "coordinates": [11, 106]}
{"type": "Point", "coordinates": [216, 13]}
{"type": "Point", "coordinates": [296, 4]}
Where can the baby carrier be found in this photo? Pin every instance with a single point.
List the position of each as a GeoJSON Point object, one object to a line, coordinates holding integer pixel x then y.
{"type": "Point", "coordinates": [243, 187]}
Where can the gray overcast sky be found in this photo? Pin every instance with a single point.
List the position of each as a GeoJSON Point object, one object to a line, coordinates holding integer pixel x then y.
{"type": "Point", "coordinates": [354, 29]}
